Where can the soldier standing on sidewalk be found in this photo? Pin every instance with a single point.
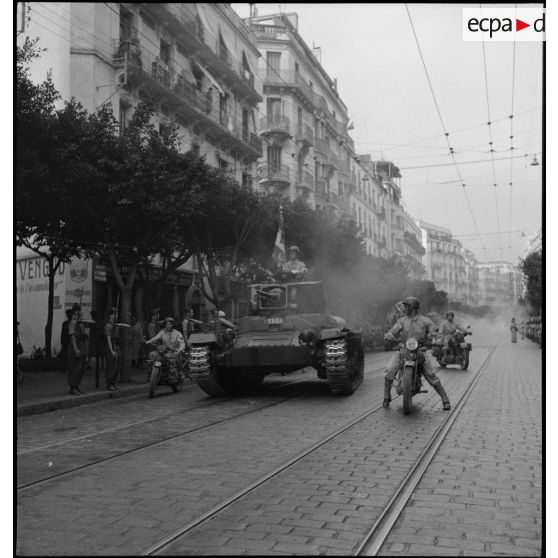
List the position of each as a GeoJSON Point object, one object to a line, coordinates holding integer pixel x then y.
{"type": "Point", "coordinates": [111, 351]}
{"type": "Point", "coordinates": [76, 351]}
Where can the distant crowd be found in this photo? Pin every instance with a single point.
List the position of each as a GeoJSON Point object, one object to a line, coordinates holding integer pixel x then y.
{"type": "Point", "coordinates": [532, 328]}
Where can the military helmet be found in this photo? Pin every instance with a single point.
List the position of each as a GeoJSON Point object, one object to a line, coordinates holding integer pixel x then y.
{"type": "Point", "coordinates": [169, 319]}
{"type": "Point", "coordinates": [448, 314]}
{"type": "Point", "coordinates": [295, 248]}
{"type": "Point", "coordinates": [412, 301]}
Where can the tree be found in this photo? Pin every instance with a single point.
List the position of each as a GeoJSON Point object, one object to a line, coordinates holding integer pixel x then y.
{"type": "Point", "coordinates": [39, 226]}
{"type": "Point", "coordinates": [533, 271]}
{"type": "Point", "coordinates": [235, 231]}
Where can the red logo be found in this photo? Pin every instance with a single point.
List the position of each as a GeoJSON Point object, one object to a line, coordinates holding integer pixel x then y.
{"type": "Point", "coordinates": [519, 25]}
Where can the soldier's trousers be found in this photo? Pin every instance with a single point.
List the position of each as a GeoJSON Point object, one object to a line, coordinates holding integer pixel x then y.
{"type": "Point", "coordinates": [111, 368]}
{"type": "Point", "coordinates": [75, 367]}
{"type": "Point", "coordinates": [427, 370]}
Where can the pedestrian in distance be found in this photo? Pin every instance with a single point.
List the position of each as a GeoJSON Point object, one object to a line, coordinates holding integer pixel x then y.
{"type": "Point", "coordinates": [420, 327]}
{"type": "Point", "coordinates": [76, 351]}
{"type": "Point", "coordinates": [513, 329]}
{"type": "Point", "coordinates": [111, 351]}
{"type": "Point", "coordinates": [65, 335]}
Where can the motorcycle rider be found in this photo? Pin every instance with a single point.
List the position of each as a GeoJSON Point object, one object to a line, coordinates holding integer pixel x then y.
{"type": "Point", "coordinates": [170, 346]}
{"type": "Point", "coordinates": [293, 264]}
{"type": "Point", "coordinates": [449, 328]}
{"type": "Point", "coordinates": [420, 327]}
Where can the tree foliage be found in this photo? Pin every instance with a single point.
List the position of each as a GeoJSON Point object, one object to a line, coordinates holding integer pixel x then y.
{"type": "Point", "coordinates": [533, 270]}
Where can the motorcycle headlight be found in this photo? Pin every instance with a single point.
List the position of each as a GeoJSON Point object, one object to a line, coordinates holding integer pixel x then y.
{"type": "Point", "coordinates": [411, 344]}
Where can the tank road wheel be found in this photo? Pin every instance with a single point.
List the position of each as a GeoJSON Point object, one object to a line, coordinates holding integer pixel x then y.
{"type": "Point", "coordinates": [344, 369]}
{"type": "Point", "coordinates": [407, 381]}
{"type": "Point", "coordinates": [204, 371]}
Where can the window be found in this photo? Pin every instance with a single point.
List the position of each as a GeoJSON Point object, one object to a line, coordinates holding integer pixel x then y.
{"type": "Point", "coordinates": [165, 52]}
{"type": "Point", "coordinates": [273, 64]}
{"type": "Point", "coordinates": [274, 110]}
{"type": "Point", "coordinates": [274, 157]}
{"type": "Point", "coordinates": [124, 115]}
{"type": "Point", "coordinates": [126, 25]}
{"type": "Point", "coordinates": [198, 76]}
{"type": "Point", "coordinates": [299, 121]}
{"type": "Point", "coordinates": [296, 68]}
{"type": "Point", "coordinates": [245, 125]}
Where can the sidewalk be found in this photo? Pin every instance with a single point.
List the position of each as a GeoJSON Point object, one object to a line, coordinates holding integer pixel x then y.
{"type": "Point", "coordinates": [41, 392]}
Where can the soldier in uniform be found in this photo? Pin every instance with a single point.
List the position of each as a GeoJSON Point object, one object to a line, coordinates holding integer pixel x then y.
{"type": "Point", "coordinates": [293, 264]}
{"type": "Point", "coordinates": [76, 351]}
{"type": "Point", "coordinates": [170, 346]}
{"type": "Point", "coordinates": [448, 329]}
{"type": "Point", "coordinates": [111, 351]}
{"type": "Point", "coordinates": [420, 327]}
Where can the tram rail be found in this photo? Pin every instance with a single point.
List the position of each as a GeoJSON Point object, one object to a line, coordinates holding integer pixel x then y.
{"type": "Point", "coordinates": [378, 533]}
{"type": "Point", "coordinates": [21, 488]}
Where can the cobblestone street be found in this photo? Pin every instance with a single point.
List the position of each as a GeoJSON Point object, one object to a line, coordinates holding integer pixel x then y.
{"type": "Point", "coordinates": [121, 476]}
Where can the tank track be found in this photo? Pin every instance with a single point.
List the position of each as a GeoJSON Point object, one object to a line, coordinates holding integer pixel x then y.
{"type": "Point", "coordinates": [337, 365]}
{"type": "Point", "coordinates": [201, 370]}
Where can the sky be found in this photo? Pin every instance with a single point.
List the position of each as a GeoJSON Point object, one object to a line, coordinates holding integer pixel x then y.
{"type": "Point", "coordinates": [371, 50]}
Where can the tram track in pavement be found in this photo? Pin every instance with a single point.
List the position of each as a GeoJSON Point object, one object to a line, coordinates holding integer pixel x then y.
{"type": "Point", "coordinates": [375, 537]}
{"type": "Point", "coordinates": [28, 485]}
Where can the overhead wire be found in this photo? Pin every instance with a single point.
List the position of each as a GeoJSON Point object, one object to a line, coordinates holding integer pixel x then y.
{"type": "Point", "coordinates": [511, 137]}
{"type": "Point", "coordinates": [444, 128]}
{"type": "Point", "coordinates": [491, 145]}
{"type": "Point", "coordinates": [110, 44]}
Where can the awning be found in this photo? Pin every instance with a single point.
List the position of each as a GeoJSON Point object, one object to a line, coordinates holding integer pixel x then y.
{"type": "Point", "coordinates": [212, 80]}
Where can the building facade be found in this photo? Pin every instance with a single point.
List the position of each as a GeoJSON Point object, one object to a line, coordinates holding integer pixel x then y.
{"type": "Point", "coordinates": [445, 262]}
{"type": "Point", "coordinates": [303, 120]}
{"type": "Point", "coordinates": [500, 283]}
{"type": "Point", "coordinates": [197, 63]}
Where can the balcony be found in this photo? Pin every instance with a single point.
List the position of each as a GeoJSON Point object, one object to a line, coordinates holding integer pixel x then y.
{"type": "Point", "coordinates": [267, 31]}
{"type": "Point", "coordinates": [340, 164]}
{"type": "Point", "coordinates": [275, 125]}
{"type": "Point", "coordinates": [305, 181]}
{"type": "Point", "coordinates": [322, 147]}
{"type": "Point", "coordinates": [159, 80]}
{"type": "Point", "coordinates": [305, 135]}
{"type": "Point", "coordinates": [182, 19]}
{"type": "Point", "coordinates": [274, 175]}
{"type": "Point", "coordinates": [282, 78]}
{"type": "Point", "coordinates": [414, 243]}
{"type": "Point", "coordinates": [340, 203]}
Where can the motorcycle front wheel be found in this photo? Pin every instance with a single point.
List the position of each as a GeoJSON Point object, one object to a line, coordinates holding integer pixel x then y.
{"type": "Point", "coordinates": [153, 380]}
{"type": "Point", "coordinates": [407, 385]}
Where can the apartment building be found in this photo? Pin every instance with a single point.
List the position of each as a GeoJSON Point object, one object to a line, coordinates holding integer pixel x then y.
{"type": "Point", "coordinates": [304, 121]}
{"type": "Point", "coordinates": [444, 261]}
{"type": "Point", "coordinates": [500, 283]}
{"type": "Point", "coordinates": [196, 62]}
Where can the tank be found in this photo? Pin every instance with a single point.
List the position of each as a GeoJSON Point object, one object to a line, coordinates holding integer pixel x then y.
{"type": "Point", "coordinates": [287, 329]}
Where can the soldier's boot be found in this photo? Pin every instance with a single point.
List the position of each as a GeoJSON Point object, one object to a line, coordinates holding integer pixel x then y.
{"type": "Point", "coordinates": [387, 392]}
{"type": "Point", "coordinates": [442, 393]}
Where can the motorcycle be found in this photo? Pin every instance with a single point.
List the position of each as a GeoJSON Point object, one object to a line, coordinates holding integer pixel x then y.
{"type": "Point", "coordinates": [408, 381]}
{"type": "Point", "coordinates": [159, 373]}
{"type": "Point", "coordinates": [458, 353]}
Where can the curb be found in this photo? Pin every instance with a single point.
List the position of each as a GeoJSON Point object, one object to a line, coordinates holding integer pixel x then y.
{"type": "Point", "coordinates": [73, 401]}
